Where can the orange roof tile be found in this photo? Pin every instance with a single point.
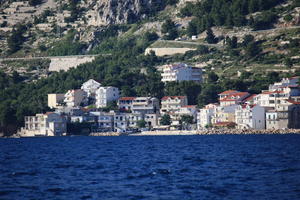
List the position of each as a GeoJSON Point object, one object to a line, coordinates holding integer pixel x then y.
{"type": "Point", "coordinates": [293, 102]}
{"type": "Point", "coordinates": [189, 106]}
{"type": "Point", "coordinates": [127, 98]}
{"type": "Point", "coordinates": [228, 92]}
{"type": "Point", "coordinates": [272, 92]}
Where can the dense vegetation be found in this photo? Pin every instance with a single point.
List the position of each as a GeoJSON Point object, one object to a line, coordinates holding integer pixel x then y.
{"type": "Point", "coordinates": [229, 13]}
{"type": "Point", "coordinates": [134, 73]}
{"type": "Point", "coordinates": [127, 68]}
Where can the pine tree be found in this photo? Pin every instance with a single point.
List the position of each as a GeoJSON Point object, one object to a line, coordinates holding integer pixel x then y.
{"type": "Point", "coordinates": [210, 37]}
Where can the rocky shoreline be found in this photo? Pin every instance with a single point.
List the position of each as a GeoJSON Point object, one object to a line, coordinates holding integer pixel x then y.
{"type": "Point", "coordinates": [105, 134]}
{"type": "Point", "coordinates": [248, 131]}
{"type": "Point", "coordinates": [195, 132]}
{"type": "Point", "coordinates": [222, 132]}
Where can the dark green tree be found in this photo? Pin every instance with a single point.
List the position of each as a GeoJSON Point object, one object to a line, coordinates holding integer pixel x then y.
{"type": "Point", "coordinates": [169, 29]}
{"type": "Point", "coordinates": [212, 77]}
{"type": "Point", "coordinates": [165, 120]}
{"type": "Point", "coordinates": [252, 49]}
{"type": "Point", "coordinates": [210, 37]}
{"type": "Point", "coordinates": [141, 123]}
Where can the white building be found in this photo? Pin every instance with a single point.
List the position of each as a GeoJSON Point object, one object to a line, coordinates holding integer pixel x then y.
{"type": "Point", "coordinates": [145, 105]}
{"type": "Point", "coordinates": [250, 117]}
{"type": "Point", "coordinates": [224, 114]}
{"type": "Point", "coordinates": [49, 124]}
{"type": "Point", "coordinates": [151, 119]}
{"type": "Point", "coordinates": [90, 87]}
{"type": "Point", "coordinates": [125, 103]}
{"type": "Point", "coordinates": [272, 121]}
{"type": "Point", "coordinates": [233, 98]}
{"type": "Point", "coordinates": [188, 110]}
{"type": "Point", "coordinates": [204, 116]}
{"type": "Point", "coordinates": [181, 72]}
{"type": "Point", "coordinates": [104, 121]}
{"type": "Point", "coordinates": [284, 83]}
{"type": "Point", "coordinates": [74, 98]}
{"type": "Point", "coordinates": [104, 95]}
{"type": "Point", "coordinates": [172, 104]}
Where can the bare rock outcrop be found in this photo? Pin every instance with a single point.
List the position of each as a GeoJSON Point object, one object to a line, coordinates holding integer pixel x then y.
{"type": "Point", "coordinates": [121, 11]}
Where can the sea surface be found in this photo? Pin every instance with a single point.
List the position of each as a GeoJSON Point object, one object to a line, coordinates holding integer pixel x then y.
{"type": "Point", "coordinates": [151, 167]}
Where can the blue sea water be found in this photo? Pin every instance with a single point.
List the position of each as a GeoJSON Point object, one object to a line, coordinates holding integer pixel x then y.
{"type": "Point", "coordinates": [151, 167]}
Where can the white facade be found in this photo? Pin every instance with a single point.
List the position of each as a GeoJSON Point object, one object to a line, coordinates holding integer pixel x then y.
{"type": "Point", "coordinates": [104, 121]}
{"type": "Point", "coordinates": [272, 120]}
{"type": "Point", "coordinates": [104, 95]}
{"type": "Point", "coordinates": [151, 119]}
{"type": "Point", "coordinates": [145, 105]}
{"type": "Point", "coordinates": [125, 103]}
{"type": "Point", "coordinates": [90, 87]}
{"type": "Point", "coordinates": [49, 124]}
{"type": "Point", "coordinates": [171, 104]}
{"type": "Point", "coordinates": [181, 72]}
{"type": "Point", "coordinates": [247, 116]}
{"type": "Point", "coordinates": [204, 116]}
{"type": "Point", "coordinates": [190, 110]}
{"type": "Point", "coordinates": [74, 98]}
{"type": "Point", "coordinates": [271, 98]}
{"type": "Point", "coordinates": [224, 114]}
{"type": "Point", "coordinates": [284, 83]}
{"type": "Point", "coordinates": [234, 98]}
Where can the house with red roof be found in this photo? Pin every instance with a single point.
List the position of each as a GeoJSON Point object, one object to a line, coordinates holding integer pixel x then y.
{"type": "Point", "coordinates": [125, 103]}
{"type": "Point", "coordinates": [234, 98]}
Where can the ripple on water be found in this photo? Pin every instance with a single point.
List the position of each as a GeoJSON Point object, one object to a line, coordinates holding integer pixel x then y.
{"type": "Point", "coordinates": [174, 167]}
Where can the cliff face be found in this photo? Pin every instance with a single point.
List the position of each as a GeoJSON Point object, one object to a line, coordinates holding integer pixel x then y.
{"type": "Point", "coordinates": [105, 12]}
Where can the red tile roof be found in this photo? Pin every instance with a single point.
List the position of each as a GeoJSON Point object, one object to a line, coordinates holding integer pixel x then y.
{"type": "Point", "coordinates": [238, 94]}
{"type": "Point", "coordinates": [272, 92]}
{"type": "Point", "coordinates": [228, 92]}
{"type": "Point", "coordinates": [173, 97]}
{"type": "Point", "coordinates": [293, 102]}
{"type": "Point", "coordinates": [127, 98]}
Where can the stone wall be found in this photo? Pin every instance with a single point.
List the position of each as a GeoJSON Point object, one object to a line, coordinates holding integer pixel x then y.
{"type": "Point", "coordinates": [168, 51]}
{"type": "Point", "coordinates": [65, 63]}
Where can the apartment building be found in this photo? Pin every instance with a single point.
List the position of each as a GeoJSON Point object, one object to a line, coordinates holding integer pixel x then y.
{"type": "Point", "coordinates": [284, 115]}
{"type": "Point", "coordinates": [104, 95]}
{"type": "Point", "coordinates": [125, 103]}
{"type": "Point", "coordinates": [49, 124]}
{"type": "Point", "coordinates": [234, 98]}
{"type": "Point", "coordinates": [181, 72]}
{"type": "Point", "coordinates": [145, 105]}
{"type": "Point", "coordinates": [285, 82]}
{"type": "Point", "coordinates": [204, 116]}
{"type": "Point", "coordinates": [224, 114]}
{"type": "Point", "coordinates": [74, 98]}
{"type": "Point", "coordinates": [250, 117]}
{"type": "Point", "coordinates": [90, 87]}
{"type": "Point", "coordinates": [104, 121]}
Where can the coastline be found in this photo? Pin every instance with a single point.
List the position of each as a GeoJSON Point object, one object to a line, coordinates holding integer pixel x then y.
{"type": "Point", "coordinates": [221, 132]}
{"type": "Point", "coordinates": [189, 132]}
